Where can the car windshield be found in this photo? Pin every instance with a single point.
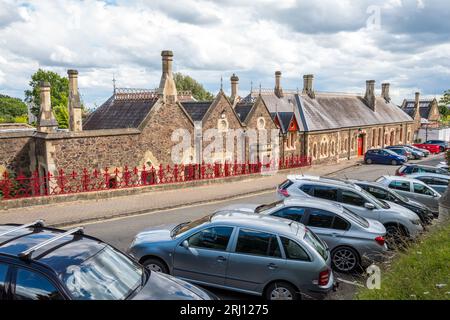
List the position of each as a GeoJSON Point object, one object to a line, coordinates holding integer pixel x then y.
{"type": "Point", "coordinates": [107, 275]}
{"type": "Point", "coordinates": [311, 238]}
{"type": "Point", "coordinates": [356, 218]}
{"type": "Point", "coordinates": [184, 227]}
{"type": "Point", "coordinates": [269, 206]}
{"type": "Point", "coordinates": [390, 152]}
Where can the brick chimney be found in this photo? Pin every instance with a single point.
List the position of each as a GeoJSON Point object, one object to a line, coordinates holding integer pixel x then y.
{"type": "Point", "coordinates": [234, 87]}
{"type": "Point", "coordinates": [308, 80]}
{"type": "Point", "coordinates": [75, 117]}
{"type": "Point", "coordinates": [46, 120]}
{"type": "Point", "coordinates": [370, 94]}
{"type": "Point", "coordinates": [278, 89]}
{"type": "Point", "coordinates": [385, 91]}
{"type": "Point", "coordinates": [167, 88]}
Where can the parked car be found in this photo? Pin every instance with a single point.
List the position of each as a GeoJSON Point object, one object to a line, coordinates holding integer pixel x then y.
{"type": "Point", "coordinates": [408, 169]}
{"type": "Point", "coordinates": [443, 145]}
{"type": "Point", "coordinates": [401, 151]}
{"type": "Point", "coordinates": [250, 253]}
{"type": "Point", "coordinates": [398, 221]}
{"type": "Point", "coordinates": [438, 182]}
{"type": "Point", "coordinates": [353, 240]}
{"type": "Point", "coordinates": [443, 165]}
{"type": "Point", "coordinates": [433, 148]}
{"type": "Point", "coordinates": [40, 263]}
{"type": "Point", "coordinates": [413, 189]}
{"type": "Point", "coordinates": [425, 152]}
{"type": "Point", "coordinates": [416, 154]}
{"type": "Point", "coordinates": [382, 192]}
{"type": "Point", "coordinates": [383, 156]}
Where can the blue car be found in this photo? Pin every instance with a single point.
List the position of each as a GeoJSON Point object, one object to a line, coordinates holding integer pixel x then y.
{"type": "Point", "coordinates": [384, 156]}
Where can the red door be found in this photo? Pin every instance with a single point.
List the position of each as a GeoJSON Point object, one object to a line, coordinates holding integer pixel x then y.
{"type": "Point", "coordinates": [360, 146]}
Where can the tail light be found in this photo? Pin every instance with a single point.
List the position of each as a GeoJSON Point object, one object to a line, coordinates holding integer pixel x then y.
{"type": "Point", "coordinates": [380, 240]}
{"type": "Point", "coordinates": [283, 192]}
{"type": "Point", "coordinates": [324, 277]}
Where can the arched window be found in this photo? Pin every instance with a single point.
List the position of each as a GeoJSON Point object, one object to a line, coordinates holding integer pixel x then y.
{"type": "Point", "coordinates": [222, 125]}
{"type": "Point", "coordinates": [261, 123]}
{"type": "Point", "coordinates": [379, 137]}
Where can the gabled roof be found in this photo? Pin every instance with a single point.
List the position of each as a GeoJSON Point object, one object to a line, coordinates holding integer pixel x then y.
{"type": "Point", "coordinates": [197, 109]}
{"type": "Point", "coordinates": [121, 111]}
{"type": "Point", "coordinates": [283, 119]}
{"type": "Point", "coordinates": [242, 110]}
{"type": "Point", "coordinates": [409, 106]}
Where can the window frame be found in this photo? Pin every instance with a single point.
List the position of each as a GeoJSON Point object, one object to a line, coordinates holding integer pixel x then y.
{"type": "Point", "coordinates": [230, 240]}
{"type": "Point", "coordinates": [394, 181]}
{"type": "Point", "coordinates": [236, 239]}
{"type": "Point", "coordinates": [284, 253]}
{"type": "Point", "coordinates": [308, 214]}
{"type": "Point", "coordinates": [289, 208]}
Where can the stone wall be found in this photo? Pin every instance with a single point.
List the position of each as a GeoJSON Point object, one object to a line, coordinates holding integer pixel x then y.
{"type": "Point", "coordinates": [15, 153]}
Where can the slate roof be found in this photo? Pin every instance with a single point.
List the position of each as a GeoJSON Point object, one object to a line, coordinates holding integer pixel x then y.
{"type": "Point", "coordinates": [119, 114]}
{"type": "Point", "coordinates": [243, 109]}
{"type": "Point", "coordinates": [197, 109]}
{"type": "Point", "coordinates": [424, 108]}
{"type": "Point", "coordinates": [333, 110]}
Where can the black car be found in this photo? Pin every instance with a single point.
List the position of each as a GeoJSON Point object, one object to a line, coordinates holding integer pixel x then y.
{"type": "Point", "coordinates": [40, 263]}
{"type": "Point", "coordinates": [443, 145]}
{"type": "Point", "coordinates": [425, 214]}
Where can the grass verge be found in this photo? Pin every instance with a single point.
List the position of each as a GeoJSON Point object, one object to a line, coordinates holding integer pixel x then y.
{"type": "Point", "coordinates": [422, 272]}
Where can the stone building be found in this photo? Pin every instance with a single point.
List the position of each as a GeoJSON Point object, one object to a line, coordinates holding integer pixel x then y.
{"type": "Point", "coordinates": [424, 112]}
{"type": "Point", "coordinates": [135, 128]}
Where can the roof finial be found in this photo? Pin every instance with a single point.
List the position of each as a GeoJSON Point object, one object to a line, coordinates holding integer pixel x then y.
{"type": "Point", "coordinates": [114, 83]}
{"type": "Point", "coordinates": [221, 83]}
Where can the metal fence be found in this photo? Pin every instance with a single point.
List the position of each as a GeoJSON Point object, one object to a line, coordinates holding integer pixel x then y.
{"type": "Point", "coordinates": [16, 186]}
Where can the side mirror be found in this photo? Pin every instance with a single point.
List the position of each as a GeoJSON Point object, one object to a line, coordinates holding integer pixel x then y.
{"type": "Point", "coordinates": [185, 244]}
{"type": "Point", "coordinates": [369, 206]}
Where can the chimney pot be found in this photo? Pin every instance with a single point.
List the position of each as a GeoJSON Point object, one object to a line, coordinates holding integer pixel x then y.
{"type": "Point", "coordinates": [234, 87]}
{"type": "Point", "coordinates": [370, 94]}
{"type": "Point", "coordinates": [308, 80]}
{"type": "Point", "coordinates": [46, 120]}
{"type": "Point", "coordinates": [385, 91]}
{"type": "Point", "coordinates": [167, 88]}
{"type": "Point", "coordinates": [278, 90]}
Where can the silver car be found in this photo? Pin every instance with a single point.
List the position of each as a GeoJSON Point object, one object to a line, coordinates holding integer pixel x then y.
{"type": "Point", "coordinates": [399, 222]}
{"type": "Point", "coordinates": [244, 252]}
{"type": "Point", "coordinates": [439, 182]}
{"type": "Point", "coordinates": [413, 189]}
{"type": "Point", "coordinates": [353, 240]}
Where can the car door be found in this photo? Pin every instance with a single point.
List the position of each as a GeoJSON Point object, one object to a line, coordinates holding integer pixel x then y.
{"type": "Point", "coordinates": [402, 187]}
{"type": "Point", "coordinates": [206, 257]}
{"type": "Point", "coordinates": [425, 195]}
{"type": "Point", "coordinates": [356, 203]}
{"type": "Point", "coordinates": [255, 260]}
{"type": "Point", "coordinates": [28, 284]}
{"type": "Point", "coordinates": [327, 225]}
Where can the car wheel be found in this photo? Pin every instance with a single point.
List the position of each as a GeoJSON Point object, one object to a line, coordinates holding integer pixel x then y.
{"type": "Point", "coordinates": [345, 259]}
{"type": "Point", "coordinates": [394, 162]}
{"type": "Point", "coordinates": [281, 291]}
{"type": "Point", "coordinates": [155, 265]}
{"type": "Point", "coordinates": [369, 161]}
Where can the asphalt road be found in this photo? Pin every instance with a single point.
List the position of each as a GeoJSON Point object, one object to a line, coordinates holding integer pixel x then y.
{"type": "Point", "coordinates": [120, 232]}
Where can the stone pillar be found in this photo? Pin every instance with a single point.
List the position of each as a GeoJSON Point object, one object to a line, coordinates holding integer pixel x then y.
{"type": "Point", "coordinates": [167, 88]}
{"type": "Point", "coordinates": [278, 89]}
{"type": "Point", "coordinates": [385, 91]}
{"type": "Point", "coordinates": [46, 120]}
{"type": "Point", "coordinates": [234, 87]}
{"type": "Point", "coordinates": [75, 117]}
{"type": "Point", "coordinates": [370, 94]}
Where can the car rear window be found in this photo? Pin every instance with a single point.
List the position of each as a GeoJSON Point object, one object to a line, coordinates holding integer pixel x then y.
{"type": "Point", "coordinates": [356, 218]}
{"type": "Point", "coordinates": [313, 240]}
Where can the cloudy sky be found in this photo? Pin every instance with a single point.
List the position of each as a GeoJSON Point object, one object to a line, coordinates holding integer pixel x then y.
{"type": "Point", "coordinates": [343, 43]}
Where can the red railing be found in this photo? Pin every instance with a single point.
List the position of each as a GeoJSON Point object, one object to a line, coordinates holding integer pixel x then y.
{"type": "Point", "coordinates": [20, 186]}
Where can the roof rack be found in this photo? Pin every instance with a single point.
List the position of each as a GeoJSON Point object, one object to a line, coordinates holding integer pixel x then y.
{"type": "Point", "coordinates": [28, 253]}
{"type": "Point", "coordinates": [35, 224]}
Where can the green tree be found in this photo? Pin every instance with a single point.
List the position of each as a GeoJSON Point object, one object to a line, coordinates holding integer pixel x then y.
{"type": "Point", "coordinates": [59, 89]}
{"type": "Point", "coordinates": [62, 116]}
{"type": "Point", "coordinates": [444, 104]}
{"type": "Point", "coordinates": [184, 82]}
{"type": "Point", "coordinates": [12, 109]}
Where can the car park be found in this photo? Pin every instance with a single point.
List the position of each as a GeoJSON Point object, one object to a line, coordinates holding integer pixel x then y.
{"type": "Point", "coordinates": [416, 154]}
{"type": "Point", "coordinates": [397, 220]}
{"type": "Point", "coordinates": [443, 145]}
{"type": "Point", "coordinates": [402, 151]}
{"type": "Point", "coordinates": [413, 189]}
{"type": "Point", "coordinates": [382, 192]}
{"type": "Point", "coordinates": [408, 169]}
{"type": "Point", "coordinates": [244, 252]}
{"type": "Point", "coordinates": [353, 240]}
{"type": "Point", "coordinates": [433, 148]}
{"type": "Point", "coordinates": [383, 156]}
{"type": "Point", "coordinates": [425, 152]}
{"type": "Point", "coordinates": [439, 182]}
{"type": "Point", "coordinates": [40, 263]}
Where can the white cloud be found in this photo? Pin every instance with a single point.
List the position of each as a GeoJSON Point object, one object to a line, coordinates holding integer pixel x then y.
{"type": "Point", "coordinates": [211, 39]}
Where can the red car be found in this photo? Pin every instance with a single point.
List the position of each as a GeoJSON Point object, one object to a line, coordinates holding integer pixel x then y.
{"type": "Point", "coordinates": [433, 148]}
